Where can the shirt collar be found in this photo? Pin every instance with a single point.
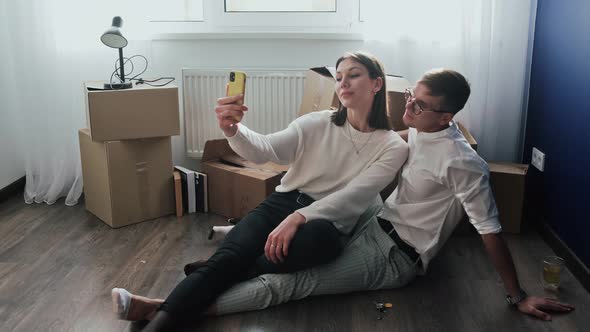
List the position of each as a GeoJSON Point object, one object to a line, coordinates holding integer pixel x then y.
{"type": "Point", "coordinates": [438, 134]}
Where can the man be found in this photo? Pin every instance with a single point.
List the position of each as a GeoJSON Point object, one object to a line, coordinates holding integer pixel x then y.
{"type": "Point", "coordinates": [442, 177]}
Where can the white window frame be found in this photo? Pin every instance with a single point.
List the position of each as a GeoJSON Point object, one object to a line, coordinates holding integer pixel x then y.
{"type": "Point", "coordinates": [342, 24]}
{"type": "Point", "coordinates": [294, 5]}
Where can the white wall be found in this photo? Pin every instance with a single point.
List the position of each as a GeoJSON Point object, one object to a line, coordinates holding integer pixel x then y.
{"type": "Point", "coordinates": [12, 165]}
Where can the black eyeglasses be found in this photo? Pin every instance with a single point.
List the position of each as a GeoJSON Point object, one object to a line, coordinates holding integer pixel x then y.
{"type": "Point", "coordinates": [417, 109]}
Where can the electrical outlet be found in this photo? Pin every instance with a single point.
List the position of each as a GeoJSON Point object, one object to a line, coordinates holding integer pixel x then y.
{"type": "Point", "coordinates": [538, 159]}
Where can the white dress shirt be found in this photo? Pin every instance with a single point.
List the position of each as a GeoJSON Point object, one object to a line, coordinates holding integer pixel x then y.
{"type": "Point", "coordinates": [443, 177]}
{"type": "Point", "coordinates": [326, 166]}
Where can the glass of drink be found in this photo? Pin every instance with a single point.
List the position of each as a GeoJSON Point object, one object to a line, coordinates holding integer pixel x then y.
{"type": "Point", "coordinates": [552, 266]}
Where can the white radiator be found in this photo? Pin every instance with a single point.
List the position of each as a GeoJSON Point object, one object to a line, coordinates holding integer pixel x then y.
{"type": "Point", "coordinates": [273, 98]}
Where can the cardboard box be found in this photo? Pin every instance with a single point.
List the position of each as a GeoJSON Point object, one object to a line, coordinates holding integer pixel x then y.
{"type": "Point", "coordinates": [141, 112]}
{"type": "Point", "coordinates": [178, 193]}
{"type": "Point", "coordinates": [396, 102]}
{"type": "Point", "coordinates": [470, 139]}
{"type": "Point", "coordinates": [508, 184]}
{"type": "Point", "coordinates": [236, 186]}
{"type": "Point", "coordinates": [319, 94]}
{"type": "Point", "coordinates": [318, 91]}
{"type": "Point", "coordinates": [129, 181]}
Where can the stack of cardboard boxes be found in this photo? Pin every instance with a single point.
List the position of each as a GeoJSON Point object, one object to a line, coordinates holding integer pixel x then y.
{"type": "Point", "coordinates": [126, 152]}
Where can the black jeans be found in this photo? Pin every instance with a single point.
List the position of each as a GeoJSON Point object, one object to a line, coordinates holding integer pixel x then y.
{"type": "Point", "coordinates": [314, 243]}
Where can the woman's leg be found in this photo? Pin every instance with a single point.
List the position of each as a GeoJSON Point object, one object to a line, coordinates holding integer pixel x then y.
{"type": "Point", "coordinates": [133, 307]}
{"type": "Point", "coordinates": [238, 252]}
{"type": "Point", "coordinates": [315, 243]}
{"type": "Point", "coordinates": [141, 308]}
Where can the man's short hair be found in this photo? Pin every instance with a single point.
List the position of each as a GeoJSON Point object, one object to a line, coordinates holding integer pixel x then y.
{"type": "Point", "coordinates": [449, 84]}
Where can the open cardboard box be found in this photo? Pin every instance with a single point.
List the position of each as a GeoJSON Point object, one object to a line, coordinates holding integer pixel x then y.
{"type": "Point", "coordinates": [236, 186]}
{"type": "Point", "coordinates": [319, 94]}
{"type": "Point", "coordinates": [140, 112]}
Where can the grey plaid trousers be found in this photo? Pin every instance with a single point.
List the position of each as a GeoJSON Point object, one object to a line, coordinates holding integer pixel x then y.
{"type": "Point", "coordinates": [370, 261]}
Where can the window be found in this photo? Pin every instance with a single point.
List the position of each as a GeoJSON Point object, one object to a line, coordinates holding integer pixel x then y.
{"type": "Point", "coordinates": [176, 11]}
{"type": "Point", "coordinates": [254, 17]}
{"type": "Point", "coordinates": [280, 6]}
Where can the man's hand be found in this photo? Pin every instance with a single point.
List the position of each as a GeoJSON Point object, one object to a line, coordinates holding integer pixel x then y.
{"type": "Point", "coordinates": [540, 306]}
{"type": "Point", "coordinates": [228, 110]}
{"type": "Point", "coordinates": [277, 243]}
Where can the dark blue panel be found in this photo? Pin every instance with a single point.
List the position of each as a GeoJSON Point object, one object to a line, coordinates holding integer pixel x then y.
{"type": "Point", "coordinates": [558, 121]}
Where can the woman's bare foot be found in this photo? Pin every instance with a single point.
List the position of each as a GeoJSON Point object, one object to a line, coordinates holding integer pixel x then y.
{"type": "Point", "coordinates": [128, 306]}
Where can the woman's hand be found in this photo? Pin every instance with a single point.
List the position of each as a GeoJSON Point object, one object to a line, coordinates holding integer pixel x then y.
{"type": "Point", "coordinates": [540, 306]}
{"type": "Point", "coordinates": [229, 112]}
{"type": "Point", "coordinates": [277, 243]}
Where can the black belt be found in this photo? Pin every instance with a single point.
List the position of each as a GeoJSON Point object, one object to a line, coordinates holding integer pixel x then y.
{"type": "Point", "coordinates": [304, 199]}
{"type": "Point", "coordinates": [406, 248]}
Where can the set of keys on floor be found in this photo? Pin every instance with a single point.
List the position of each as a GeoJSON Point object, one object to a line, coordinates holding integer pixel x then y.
{"type": "Point", "coordinates": [382, 308]}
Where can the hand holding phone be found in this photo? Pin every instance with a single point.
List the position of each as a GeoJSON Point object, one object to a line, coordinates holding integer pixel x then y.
{"type": "Point", "coordinates": [230, 109]}
{"type": "Point", "coordinates": [236, 86]}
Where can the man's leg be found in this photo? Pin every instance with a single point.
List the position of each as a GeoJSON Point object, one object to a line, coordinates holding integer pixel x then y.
{"type": "Point", "coordinates": [369, 262]}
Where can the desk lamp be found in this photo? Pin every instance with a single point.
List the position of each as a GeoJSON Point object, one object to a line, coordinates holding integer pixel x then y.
{"type": "Point", "coordinates": [113, 38]}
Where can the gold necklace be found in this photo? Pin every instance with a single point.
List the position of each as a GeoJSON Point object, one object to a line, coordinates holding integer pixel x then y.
{"type": "Point", "coordinates": [352, 141]}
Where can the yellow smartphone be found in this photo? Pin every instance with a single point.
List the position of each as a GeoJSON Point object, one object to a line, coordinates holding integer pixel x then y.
{"type": "Point", "coordinates": [236, 86]}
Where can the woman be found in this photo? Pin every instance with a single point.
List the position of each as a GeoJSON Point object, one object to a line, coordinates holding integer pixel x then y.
{"type": "Point", "coordinates": [340, 161]}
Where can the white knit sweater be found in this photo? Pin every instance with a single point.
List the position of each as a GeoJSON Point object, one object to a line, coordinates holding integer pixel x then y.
{"type": "Point", "coordinates": [325, 164]}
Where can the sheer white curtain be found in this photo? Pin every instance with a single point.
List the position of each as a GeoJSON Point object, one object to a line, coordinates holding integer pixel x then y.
{"type": "Point", "coordinates": [486, 40]}
{"type": "Point", "coordinates": [51, 48]}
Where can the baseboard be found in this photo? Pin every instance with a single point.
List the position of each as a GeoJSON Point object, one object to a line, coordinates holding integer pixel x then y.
{"type": "Point", "coordinates": [573, 263]}
{"type": "Point", "coordinates": [12, 189]}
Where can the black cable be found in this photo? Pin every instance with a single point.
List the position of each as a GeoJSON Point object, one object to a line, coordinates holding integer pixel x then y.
{"type": "Point", "coordinates": [134, 78]}
{"type": "Point", "coordinates": [149, 82]}
{"type": "Point", "coordinates": [115, 73]}
{"type": "Point", "coordinates": [124, 63]}
{"type": "Point", "coordinates": [144, 68]}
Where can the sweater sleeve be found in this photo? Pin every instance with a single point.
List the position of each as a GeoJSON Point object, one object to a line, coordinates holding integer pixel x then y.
{"type": "Point", "coordinates": [280, 147]}
{"type": "Point", "coordinates": [343, 207]}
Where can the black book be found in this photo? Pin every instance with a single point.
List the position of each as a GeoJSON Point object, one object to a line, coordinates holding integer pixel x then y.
{"type": "Point", "coordinates": [202, 204]}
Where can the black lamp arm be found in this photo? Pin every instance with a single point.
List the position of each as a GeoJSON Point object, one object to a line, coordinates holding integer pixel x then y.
{"type": "Point", "coordinates": [122, 68]}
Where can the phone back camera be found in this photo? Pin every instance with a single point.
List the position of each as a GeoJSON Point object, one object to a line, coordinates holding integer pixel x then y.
{"type": "Point", "coordinates": [232, 76]}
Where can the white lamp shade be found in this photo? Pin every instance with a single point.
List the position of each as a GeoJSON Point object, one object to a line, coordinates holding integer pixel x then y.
{"type": "Point", "coordinates": [113, 38]}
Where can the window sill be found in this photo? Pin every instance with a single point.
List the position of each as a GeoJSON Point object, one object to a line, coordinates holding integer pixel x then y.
{"type": "Point", "coordinates": [258, 35]}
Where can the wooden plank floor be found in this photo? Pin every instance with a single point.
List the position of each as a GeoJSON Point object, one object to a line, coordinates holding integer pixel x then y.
{"type": "Point", "coordinates": [58, 264]}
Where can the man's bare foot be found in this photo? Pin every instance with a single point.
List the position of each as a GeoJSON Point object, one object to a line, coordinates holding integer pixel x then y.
{"type": "Point", "coordinates": [128, 306]}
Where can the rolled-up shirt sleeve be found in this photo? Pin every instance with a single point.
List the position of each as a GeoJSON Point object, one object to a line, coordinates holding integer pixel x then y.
{"type": "Point", "coordinates": [468, 179]}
